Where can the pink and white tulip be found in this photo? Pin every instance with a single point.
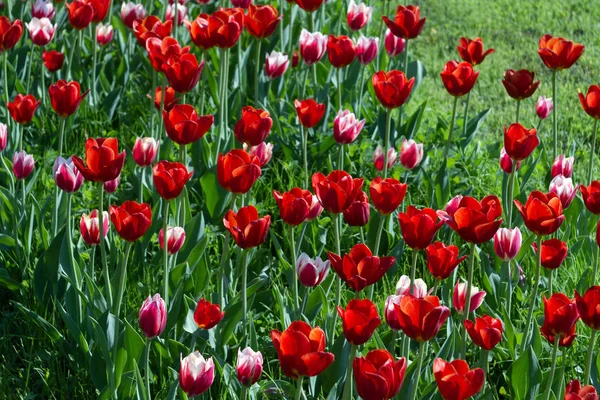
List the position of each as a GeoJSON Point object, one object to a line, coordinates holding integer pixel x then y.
{"type": "Point", "coordinates": [315, 209]}
{"type": "Point", "coordinates": [3, 136]}
{"type": "Point", "coordinates": [358, 15]}
{"type": "Point", "coordinates": [276, 64]}
{"type": "Point", "coordinates": [104, 34]}
{"type": "Point", "coordinates": [41, 31]}
{"type": "Point", "coordinates": [90, 227]}
{"type": "Point", "coordinates": [42, 9]}
{"type": "Point", "coordinates": [249, 366]}
{"type": "Point", "coordinates": [111, 186]}
{"type": "Point", "coordinates": [403, 287]}
{"type": "Point", "coordinates": [196, 374]}
{"type": "Point", "coordinates": [22, 164]}
{"type": "Point", "coordinates": [131, 12]}
{"type": "Point", "coordinates": [311, 272]}
{"type": "Point", "coordinates": [544, 106]}
{"type": "Point", "coordinates": [312, 46]}
{"type": "Point", "coordinates": [241, 3]}
{"type": "Point", "coordinates": [378, 158]}
{"type": "Point", "coordinates": [507, 243]}
{"type": "Point", "coordinates": [263, 151]}
{"type": "Point", "coordinates": [175, 239]}
{"type": "Point", "coordinates": [66, 175]}
{"type": "Point", "coordinates": [563, 166]}
{"type": "Point", "coordinates": [411, 153]}
{"type": "Point", "coordinates": [346, 127]}
{"type": "Point", "coordinates": [394, 45]}
{"type": "Point", "coordinates": [144, 151]}
{"type": "Point", "coordinates": [459, 297]}
{"type": "Point", "coordinates": [181, 13]}
{"type": "Point", "coordinates": [564, 189]}
{"type": "Point", "coordinates": [153, 316]}
{"type": "Point", "coordinates": [366, 49]}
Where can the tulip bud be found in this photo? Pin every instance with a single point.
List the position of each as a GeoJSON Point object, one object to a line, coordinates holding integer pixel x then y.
{"type": "Point", "coordinates": [564, 189]}
{"type": "Point", "coordinates": [563, 166]}
{"type": "Point", "coordinates": [394, 45]}
{"type": "Point", "coordinates": [403, 287]}
{"type": "Point", "coordinates": [311, 272]}
{"type": "Point", "coordinates": [175, 239]}
{"type": "Point", "coordinates": [544, 107]}
{"type": "Point", "coordinates": [411, 153]}
{"type": "Point", "coordinates": [358, 15]}
{"type": "Point", "coordinates": [453, 204]}
{"type": "Point", "coordinates": [241, 3]}
{"type": "Point", "coordinates": [90, 228]}
{"type": "Point", "coordinates": [104, 34]}
{"type": "Point", "coordinates": [459, 298]}
{"type": "Point", "coordinates": [181, 13]}
{"type": "Point", "coordinates": [295, 59]}
{"type": "Point", "coordinates": [575, 391]}
{"type": "Point", "coordinates": [196, 374]}
{"type": "Point", "coordinates": [507, 243]}
{"type": "Point", "coordinates": [522, 276]}
{"type": "Point", "coordinates": [359, 211]}
{"type": "Point", "coordinates": [42, 9]}
{"type": "Point", "coordinates": [22, 164]}
{"type": "Point", "coordinates": [144, 151]}
{"type": "Point", "coordinates": [66, 175]}
{"type": "Point", "coordinates": [112, 185]}
{"type": "Point", "coordinates": [3, 136]}
{"type": "Point", "coordinates": [249, 366]}
{"type": "Point", "coordinates": [41, 31]}
{"type": "Point", "coordinates": [378, 158]}
{"type": "Point", "coordinates": [346, 127]}
{"type": "Point", "coordinates": [366, 49]}
{"type": "Point", "coordinates": [315, 209]}
{"type": "Point", "coordinates": [263, 151]}
{"type": "Point", "coordinates": [131, 12]}
{"type": "Point", "coordinates": [391, 317]}
{"type": "Point", "coordinates": [207, 315]}
{"type": "Point", "coordinates": [506, 163]}
{"type": "Point", "coordinates": [276, 64]}
{"type": "Point", "coordinates": [153, 316]}
{"type": "Point", "coordinates": [53, 60]}
{"type": "Point", "coordinates": [312, 46]}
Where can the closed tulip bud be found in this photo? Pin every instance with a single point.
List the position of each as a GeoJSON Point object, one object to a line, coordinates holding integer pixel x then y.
{"type": "Point", "coordinates": [419, 287]}
{"type": "Point", "coordinates": [520, 142]}
{"type": "Point", "coordinates": [346, 127]}
{"type": "Point", "coordinates": [394, 45]}
{"type": "Point", "coordinates": [520, 84]}
{"type": "Point", "coordinates": [104, 34]}
{"type": "Point", "coordinates": [544, 106]}
{"type": "Point", "coordinates": [254, 126]}
{"type": "Point", "coordinates": [207, 315]}
{"type": "Point", "coordinates": [554, 252]}
{"type": "Point", "coordinates": [111, 186]}
{"type": "Point", "coordinates": [366, 49]}
{"type": "Point", "coordinates": [241, 3]}
{"type": "Point", "coordinates": [458, 78]}
{"type": "Point", "coordinates": [41, 31]}
{"type": "Point", "coordinates": [22, 108]}
{"type": "Point", "coordinates": [261, 21]}
{"type": "Point", "coordinates": [295, 59]}
{"type": "Point", "coordinates": [591, 197]}
{"type": "Point", "coordinates": [560, 319]}
{"type": "Point", "coordinates": [90, 227]}
{"type": "Point", "coordinates": [66, 175]}
{"type": "Point", "coordinates": [456, 381]}
{"type": "Point", "coordinates": [181, 13]}
{"type": "Point", "coordinates": [359, 320]}
{"type": "Point", "coordinates": [315, 209]}
{"type": "Point", "coordinates": [563, 166]}
{"type": "Point", "coordinates": [506, 163]}
{"type": "Point", "coordinates": [276, 64]}
{"type": "Point", "coordinates": [378, 158]}
{"type": "Point", "coordinates": [144, 151]}
{"type": "Point", "coordinates": [378, 375]}
{"type": "Point", "coordinates": [10, 33]}
{"type": "Point", "coordinates": [153, 316]}
{"type": "Point", "coordinates": [411, 153]}
{"type": "Point", "coordinates": [564, 189]}
{"type": "Point", "coordinates": [309, 112]}
{"type": "Point", "coordinates": [507, 243]}
{"type": "Point", "coordinates": [341, 50]}
{"type": "Point", "coordinates": [312, 46]}
{"type": "Point", "coordinates": [558, 53]}
{"type": "Point", "coordinates": [196, 374]}
{"type": "Point", "coordinates": [311, 272]}
{"type": "Point", "coordinates": [3, 136]}
{"type": "Point", "coordinates": [359, 211]}
{"type": "Point", "coordinates": [263, 152]}
{"type": "Point", "coordinates": [131, 219]}
{"type": "Point", "coordinates": [575, 391]}
{"type": "Point", "coordinates": [131, 12]}
{"type": "Point", "coordinates": [542, 213]}
{"type": "Point", "coordinates": [42, 9]}
{"type": "Point", "coordinates": [175, 239]}
{"type": "Point", "coordinates": [22, 164]}
{"type": "Point", "coordinates": [459, 297]}
{"type": "Point", "coordinates": [53, 60]}
{"type": "Point", "coordinates": [66, 97]}
{"type": "Point", "coordinates": [249, 366]}
{"type": "Point", "coordinates": [358, 15]}
{"type": "Point", "coordinates": [485, 332]}
{"type": "Point", "coordinates": [591, 101]}
{"type": "Point", "coordinates": [169, 101]}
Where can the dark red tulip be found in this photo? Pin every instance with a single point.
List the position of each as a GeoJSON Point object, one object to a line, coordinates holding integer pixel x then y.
{"type": "Point", "coordinates": [560, 319]}
{"type": "Point", "coordinates": [421, 318]}
{"type": "Point", "coordinates": [162, 51]}
{"type": "Point", "coordinates": [474, 221]}
{"type": "Point", "coordinates": [419, 226]}
{"type": "Point", "coordinates": [151, 27]}
{"type": "Point", "coordinates": [591, 197]}
{"type": "Point", "coordinates": [246, 228]}
{"type": "Point", "coordinates": [103, 162]}
{"type": "Point", "coordinates": [309, 5]}
{"type": "Point", "coordinates": [183, 73]}
{"type": "Point", "coordinates": [294, 206]}
{"type": "Point", "coordinates": [591, 101]}
{"type": "Point", "coordinates": [254, 126]}
{"type": "Point", "coordinates": [407, 23]}
{"type": "Point", "coordinates": [101, 8]}
{"type": "Point", "coordinates": [519, 142]}
{"type": "Point", "coordinates": [576, 392]}
{"type": "Point", "coordinates": [542, 213]}
{"type": "Point", "coordinates": [207, 315]}
{"type": "Point", "coordinates": [458, 78]}
{"type": "Point", "coordinates": [170, 178]}
{"type": "Point", "coordinates": [558, 53]}
{"type": "Point", "coordinates": [10, 33]}
{"type": "Point", "coordinates": [199, 32]}
{"type": "Point", "coordinates": [237, 171]}
{"type": "Point", "coordinates": [22, 108]}
{"type": "Point", "coordinates": [261, 21]}
{"type": "Point", "coordinates": [554, 252]}
{"type": "Point", "coordinates": [442, 260]}
{"type": "Point", "coordinates": [337, 190]}
{"type": "Point", "coordinates": [456, 381]}
{"type": "Point", "coordinates": [301, 350]}
{"type": "Point", "coordinates": [359, 212]}
{"type": "Point", "coordinates": [225, 26]}
{"type": "Point", "coordinates": [359, 320]}
{"type": "Point", "coordinates": [360, 268]}
{"type": "Point", "coordinates": [378, 375]}
{"type": "Point", "coordinates": [340, 50]}
{"type": "Point", "coordinates": [471, 50]}
{"type": "Point", "coordinates": [309, 112]}
{"type": "Point", "coordinates": [184, 125]}
{"type": "Point", "coordinates": [520, 84]}
{"type": "Point", "coordinates": [53, 60]}
{"type": "Point", "coordinates": [131, 219]}
{"type": "Point", "coordinates": [485, 332]}
{"type": "Point", "coordinates": [169, 101]}
{"type": "Point", "coordinates": [588, 307]}
{"type": "Point", "coordinates": [81, 13]}
{"type": "Point", "coordinates": [392, 88]}
{"type": "Point", "coordinates": [387, 194]}
{"type": "Point", "coordinates": [66, 97]}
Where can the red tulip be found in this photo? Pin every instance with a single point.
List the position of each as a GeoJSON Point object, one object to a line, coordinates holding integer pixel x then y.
{"type": "Point", "coordinates": [10, 33]}
{"type": "Point", "coordinates": [359, 320]}
{"type": "Point", "coordinates": [520, 84]}
{"type": "Point", "coordinates": [340, 50]}
{"type": "Point", "coordinates": [184, 125]}
{"type": "Point", "coordinates": [170, 178]}
{"type": "Point", "coordinates": [542, 213]}
{"type": "Point", "coordinates": [309, 5]}
{"type": "Point", "coordinates": [520, 142]}
{"type": "Point", "coordinates": [261, 21]}
{"type": "Point", "coordinates": [421, 318]}
{"type": "Point", "coordinates": [337, 190]}
{"type": "Point", "coordinates": [22, 108]}
{"type": "Point", "coordinates": [131, 219]}
{"type": "Point", "coordinates": [456, 381]}
{"type": "Point", "coordinates": [254, 126]}
{"type": "Point", "coordinates": [458, 78]}
{"type": "Point", "coordinates": [559, 53]}
{"type": "Point", "coordinates": [183, 73]}
{"type": "Point", "coordinates": [301, 350]}
{"type": "Point", "coordinates": [309, 112]}
{"type": "Point", "coordinates": [588, 307]}
{"type": "Point", "coordinates": [53, 60]}
{"type": "Point", "coordinates": [246, 228]}
{"type": "Point", "coordinates": [474, 221]}
{"type": "Point", "coordinates": [419, 226]}
{"type": "Point", "coordinates": [66, 97]}
{"type": "Point", "coordinates": [471, 50]}
{"type": "Point", "coordinates": [407, 23]}
{"type": "Point", "coordinates": [169, 101]}
{"type": "Point", "coordinates": [360, 268]}
{"type": "Point", "coordinates": [151, 27]}
{"type": "Point", "coordinates": [207, 315]}
{"type": "Point", "coordinates": [387, 194]}
{"type": "Point", "coordinates": [162, 51]}
{"type": "Point", "coordinates": [237, 171]}
{"type": "Point", "coordinates": [485, 332]}
{"type": "Point", "coordinates": [392, 88]}
{"type": "Point", "coordinates": [591, 101]}
{"type": "Point", "coordinates": [442, 260]}
{"type": "Point", "coordinates": [378, 375]}
{"type": "Point", "coordinates": [560, 319]}
{"type": "Point", "coordinates": [576, 392]}
{"type": "Point", "coordinates": [294, 205]}
{"type": "Point", "coordinates": [199, 32]}
{"type": "Point", "coordinates": [554, 252]}
{"type": "Point", "coordinates": [103, 162]}
{"type": "Point", "coordinates": [225, 26]}
{"type": "Point", "coordinates": [591, 197]}
{"type": "Point", "coordinates": [81, 13]}
{"type": "Point", "coordinates": [359, 212]}
{"type": "Point", "coordinates": [101, 8]}
{"type": "Point", "coordinates": [295, 59]}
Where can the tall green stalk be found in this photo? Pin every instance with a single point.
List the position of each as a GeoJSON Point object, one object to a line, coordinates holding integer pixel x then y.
{"type": "Point", "coordinates": [298, 395]}
{"type": "Point", "coordinates": [61, 139]}
{"type": "Point", "coordinates": [533, 294]}
{"type": "Point", "coordinates": [466, 114]}
{"type": "Point", "coordinates": [413, 271]}
{"type": "Point", "coordinates": [518, 109]}
{"type": "Point", "coordinates": [589, 358]}
{"type": "Point", "coordinates": [293, 263]}
{"type": "Point", "coordinates": [338, 293]}
{"type": "Point", "coordinates": [415, 383]}
{"type": "Point", "coordinates": [340, 89]}
{"type": "Point", "coordinates": [148, 344]}
{"type": "Point", "coordinates": [257, 75]}
{"type": "Point", "coordinates": [72, 257]}
{"type": "Point", "coordinates": [467, 305]}
{"type": "Point", "coordinates": [552, 368]}
{"type": "Point", "coordinates": [593, 153]}
{"type": "Point", "coordinates": [388, 127]}
{"type": "Point", "coordinates": [451, 128]}
{"type": "Point", "coordinates": [554, 115]}
{"type": "Point", "coordinates": [511, 189]}
{"type": "Point", "coordinates": [166, 250]}
{"type": "Point", "coordinates": [94, 66]}
{"type": "Point", "coordinates": [102, 244]}
{"type": "Point", "coordinates": [244, 288]}
{"type": "Point", "coordinates": [348, 384]}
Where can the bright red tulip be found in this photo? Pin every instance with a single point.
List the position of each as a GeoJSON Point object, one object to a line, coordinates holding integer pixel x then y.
{"type": "Point", "coordinates": [101, 8]}
{"type": "Point", "coordinates": [387, 194]}
{"type": "Point", "coordinates": [471, 50]}
{"type": "Point", "coordinates": [519, 142]}
{"type": "Point", "coordinates": [301, 350]}
{"type": "Point", "coordinates": [309, 112]}
{"type": "Point", "coordinates": [485, 332]}
{"type": "Point", "coordinates": [309, 5]}
{"type": "Point", "coordinates": [225, 26]}
{"type": "Point", "coordinates": [184, 72]}
{"type": "Point", "coordinates": [53, 60]}
{"type": "Point", "coordinates": [588, 307]}
{"type": "Point", "coordinates": [407, 23]}
{"type": "Point", "coordinates": [261, 21]}
{"type": "Point", "coordinates": [151, 27]}
{"type": "Point", "coordinates": [474, 221]}
{"type": "Point", "coordinates": [576, 392]}
{"type": "Point", "coordinates": [207, 315]}
{"type": "Point", "coordinates": [10, 33]}
{"type": "Point", "coordinates": [246, 228]}
{"type": "Point", "coordinates": [169, 101]}
{"type": "Point", "coordinates": [341, 51]}
{"type": "Point", "coordinates": [542, 213]}
{"type": "Point", "coordinates": [103, 162]}
{"type": "Point", "coordinates": [81, 13]}
{"type": "Point", "coordinates": [359, 320]}
{"type": "Point", "coordinates": [199, 32]}
{"type": "Point", "coordinates": [456, 381]}
{"type": "Point", "coordinates": [419, 226]}
{"type": "Point", "coordinates": [294, 205]}
{"type": "Point", "coordinates": [421, 318]}
{"type": "Point", "coordinates": [254, 126]}
{"type": "Point", "coordinates": [22, 108]}
{"type": "Point", "coordinates": [591, 101]}
{"type": "Point", "coordinates": [337, 190]}
{"type": "Point", "coordinates": [170, 178]}
{"type": "Point", "coordinates": [554, 252]}
{"type": "Point", "coordinates": [458, 78]}
{"type": "Point", "coordinates": [153, 316]}
{"type": "Point", "coordinates": [442, 260]}
{"type": "Point", "coordinates": [360, 268]}
{"type": "Point", "coordinates": [520, 84]}
{"type": "Point", "coordinates": [237, 171]}
{"type": "Point", "coordinates": [560, 319]}
{"type": "Point", "coordinates": [392, 88]}
{"type": "Point", "coordinates": [559, 53]}
{"type": "Point", "coordinates": [66, 97]}
{"type": "Point", "coordinates": [591, 197]}
{"type": "Point", "coordinates": [359, 212]}
{"type": "Point", "coordinates": [131, 219]}
{"type": "Point", "coordinates": [378, 375]}
{"type": "Point", "coordinates": [184, 125]}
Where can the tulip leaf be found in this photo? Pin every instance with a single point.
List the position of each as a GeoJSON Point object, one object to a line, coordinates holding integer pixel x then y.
{"type": "Point", "coordinates": [217, 198]}
{"type": "Point", "coordinates": [140, 388]}
{"type": "Point", "coordinates": [473, 127]}
{"type": "Point", "coordinates": [8, 282]}
{"type": "Point", "coordinates": [410, 128]}
{"type": "Point", "coordinates": [524, 375]}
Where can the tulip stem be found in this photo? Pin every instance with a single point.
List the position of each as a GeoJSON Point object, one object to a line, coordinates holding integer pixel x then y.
{"type": "Point", "coordinates": [43, 75]}
{"type": "Point", "coordinates": [244, 394]}
{"type": "Point", "coordinates": [148, 343]}
{"type": "Point", "coordinates": [142, 173]}
{"type": "Point", "coordinates": [340, 165]}
{"type": "Point", "coordinates": [339, 87]}
{"type": "Point", "coordinates": [299, 388]}
{"type": "Point", "coordinates": [338, 293]}
{"type": "Point", "coordinates": [72, 258]}
{"type": "Point", "coordinates": [388, 127]}
{"type": "Point", "coordinates": [94, 66]}
{"type": "Point", "coordinates": [554, 114]}
{"type": "Point", "coordinates": [304, 133]}
{"type": "Point", "coordinates": [223, 101]}
{"type": "Point", "coordinates": [401, 109]}
{"type": "Point", "coordinates": [257, 75]}
{"type": "Point", "coordinates": [550, 281]}
{"type": "Point", "coordinates": [593, 153]}
{"type": "Point", "coordinates": [466, 114]}
{"type": "Point", "coordinates": [122, 279]}
{"type": "Point", "coordinates": [413, 271]}
{"type": "Point", "coordinates": [510, 287]}
{"type": "Point", "coordinates": [6, 91]}
{"type": "Point", "coordinates": [29, 68]}
{"type": "Point", "coordinates": [244, 286]}
{"type": "Point", "coordinates": [534, 293]}
{"type": "Point", "coordinates": [361, 83]}
{"type": "Point", "coordinates": [348, 384]}
{"type": "Point", "coordinates": [511, 191]}
{"type": "Point", "coordinates": [594, 274]}
{"type": "Point", "coordinates": [553, 367]}
{"type": "Point", "coordinates": [293, 263]}
{"type": "Point", "coordinates": [467, 305]}
{"type": "Point", "coordinates": [436, 285]}
{"type": "Point", "coordinates": [484, 361]}
{"type": "Point", "coordinates": [589, 358]}
{"type": "Point", "coordinates": [166, 250]}
{"type": "Point", "coordinates": [451, 128]}
{"type": "Point", "coordinates": [101, 244]}
{"type": "Point", "coordinates": [415, 383]}
{"type": "Point", "coordinates": [376, 247]}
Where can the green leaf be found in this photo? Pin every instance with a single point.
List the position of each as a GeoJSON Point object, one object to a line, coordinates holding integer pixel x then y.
{"type": "Point", "coordinates": [8, 282]}
{"type": "Point", "coordinates": [217, 198]}
{"type": "Point", "coordinates": [473, 127]}
{"type": "Point", "coordinates": [525, 376]}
